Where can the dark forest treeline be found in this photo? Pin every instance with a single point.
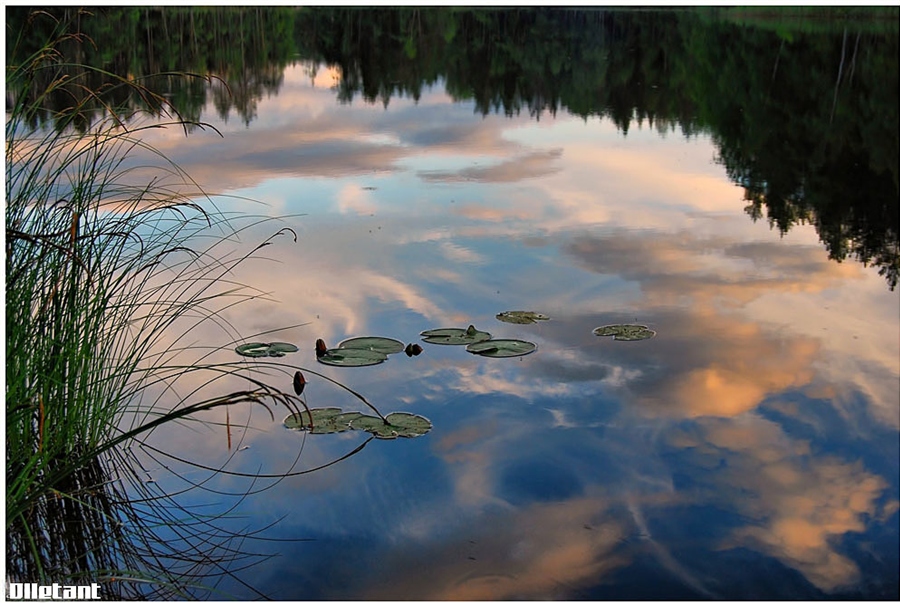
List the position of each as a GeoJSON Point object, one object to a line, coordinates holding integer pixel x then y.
{"type": "Point", "coordinates": [805, 119]}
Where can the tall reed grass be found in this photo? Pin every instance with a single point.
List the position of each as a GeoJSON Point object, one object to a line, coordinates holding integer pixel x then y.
{"type": "Point", "coordinates": [108, 253]}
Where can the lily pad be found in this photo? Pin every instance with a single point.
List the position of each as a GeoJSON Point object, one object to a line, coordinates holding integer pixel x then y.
{"type": "Point", "coordinates": [521, 317]}
{"type": "Point", "coordinates": [376, 426]}
{"type": "Point", "coordinates": [333, 420]}
{"type": "Point", "coordinates": [454, 336]}
{"type": "Point", "coordinates": [253, 350]}
{"type": "Point", "coordinates": [630, 332]}
{"type": "Point", "coordinates": [281, 348]}
{"type": "Point", "coordinates": [276, 349]}
{"type": "Point", "coordinates": [377, 344]}
{"type": "Point", "coordinates": [322, 420]}
{"type": "Point", "coordinates": [408, 425]}
{"type": "Point", "coordinates": [501, 348]}
{"type": "Point", "coordinates": [399, 425]}
{"type": "Point", "coordinates": [351, 357]}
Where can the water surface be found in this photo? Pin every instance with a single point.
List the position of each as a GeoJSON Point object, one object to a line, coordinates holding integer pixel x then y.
{"type": "Point", "coordinates": [748, 450]}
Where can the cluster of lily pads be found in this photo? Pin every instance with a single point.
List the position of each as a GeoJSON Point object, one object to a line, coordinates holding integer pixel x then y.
{"type": "Point", "coordinates": [358, 351]}
{"type": "Point", "coordinates": [334, 420]}
{"type": "Point", "coordinates": [363, 351]}
{"type": "Point", "coordinates": [479, 342]}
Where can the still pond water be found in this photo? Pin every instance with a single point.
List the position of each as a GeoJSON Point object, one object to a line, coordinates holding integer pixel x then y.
{"type": "Point", "coordinates": [687, 175]}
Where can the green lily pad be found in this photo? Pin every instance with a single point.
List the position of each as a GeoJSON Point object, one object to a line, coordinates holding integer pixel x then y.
{"type": "Point", "coordinates": [408, 425]}
{"type": "Point", "coordinates": [630, 332]}
{"type": "Point", "coordinates": [455, 336]}
{"type": "Point", "coordinates": [521, 317]}
{"type": "Point", "coordinates": [281, 348]}
{"type": "Point", "coordinates": [258, 350]}
{"type": "Point", "coordinates": [501, 348]}
{"type": "Point", "coordinates": [323, 420]}
{"type": "Point", "coordinates": [253, 350]}
{"type": "Point", "coordinates": [333, 420]}
{"type": "Point", "coordinates": [351, 357]}
{"type": "Point", "coordinates": [376, 426]}
{"type": "Point", "coordinates": [399, 425]}
{"type": "Point", "coordinates": [377, 344]}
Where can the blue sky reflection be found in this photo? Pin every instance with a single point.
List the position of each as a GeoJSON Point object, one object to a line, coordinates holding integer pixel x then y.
{"type": "Point", "coordinates": [761, 420]}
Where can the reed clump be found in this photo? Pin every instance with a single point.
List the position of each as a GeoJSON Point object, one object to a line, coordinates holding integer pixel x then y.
{"type": "Point", "coordinates": [107, 250]}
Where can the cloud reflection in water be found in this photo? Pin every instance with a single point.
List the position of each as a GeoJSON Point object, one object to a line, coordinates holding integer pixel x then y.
{"type": "Point", "coordinates": [549, 475]}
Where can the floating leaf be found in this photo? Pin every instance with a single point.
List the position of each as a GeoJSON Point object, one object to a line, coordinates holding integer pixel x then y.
{"type": "Point", "coordinates": [349, 417]}
{"type": "Point", "coordinates": [630, 332]}
{"type": "Point", "coordinates": [408, 425]}
{"type": "Point", "coordinates": [501, 348]}
{"type": "Point", "coordinates": [253, 350]}
{"type": "Point", "coordinates": [351, 357]}
{"type": "Point", "coordinates": [258, 350]}
{"type": "Point", "coordinates": [324, 420]}
{"type": "Point", "coordinates": [374, 425]}
{"type": "Point", "coordinates": [280, 348]}
{"type": "Point", "coordinates": [521, 317]}
{"type": "Point", "coordinates": [377, 344]}
{"type": "Point", "coordinates": [455, 336]}
{"type": "Point", "coordinates": [397, 425]}
{"type": "Point", "coordinates": [332, 420]}
{"type": "Point", "coordinates": [318, 417]}
{"type": "Point", "coordinates": [299, 383]}
{"type": "Point", "coordinates": [413, 349]}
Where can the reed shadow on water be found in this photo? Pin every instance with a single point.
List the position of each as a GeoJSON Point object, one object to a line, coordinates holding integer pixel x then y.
{"type": "Point", "coordinates": [110, 265]}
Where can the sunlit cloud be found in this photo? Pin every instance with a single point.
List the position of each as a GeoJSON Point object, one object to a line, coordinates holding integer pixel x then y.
{"type": "Point", "coordinates": [678, 266]}
{"type": "Point", "coordinates": [353, 199]}
{"type": "Point", "coordinates": [532, 165]}
{"type": "Point", "coordinates": [800, 504]}
{"type": "Point", "coordinates": [500, 214]}
{"type": "Point", "coordinates": [458, 253]}
{"type": "Point", "coordinates": [543, 552]}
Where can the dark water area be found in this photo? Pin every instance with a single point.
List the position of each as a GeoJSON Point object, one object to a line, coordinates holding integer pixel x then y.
{"type": "Point", "coordinates": [731, 185]}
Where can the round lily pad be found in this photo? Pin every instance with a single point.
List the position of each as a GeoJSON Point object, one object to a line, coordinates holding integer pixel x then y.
{"type": "Point", "coordinates": [399, 425]}
{"type": "Point", "coordinates": [630, 332]}
{"type": "Point", "coordinates": [408, 425]}
{"type": "Point", "coordinates": [501, 348]}
{"type": "Point", "coordinates": [377, 344]}
{"type": "Point", "coordinates": [322, 419]}
{"type": "Point", "coordinates": [258, 350]}
{"type": "Point", "coordinates": [521, 317]}
{"type": "Point", "coordinates": [454, 336]}
{"type": "Point", "coordinates": [374, 425]}
{"type": "Point", "coordinates": [351, 357]}
{"type": "Point", "coordinates": [280, 348]}
{"type": "Point", "coordinates": [253, 350]}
